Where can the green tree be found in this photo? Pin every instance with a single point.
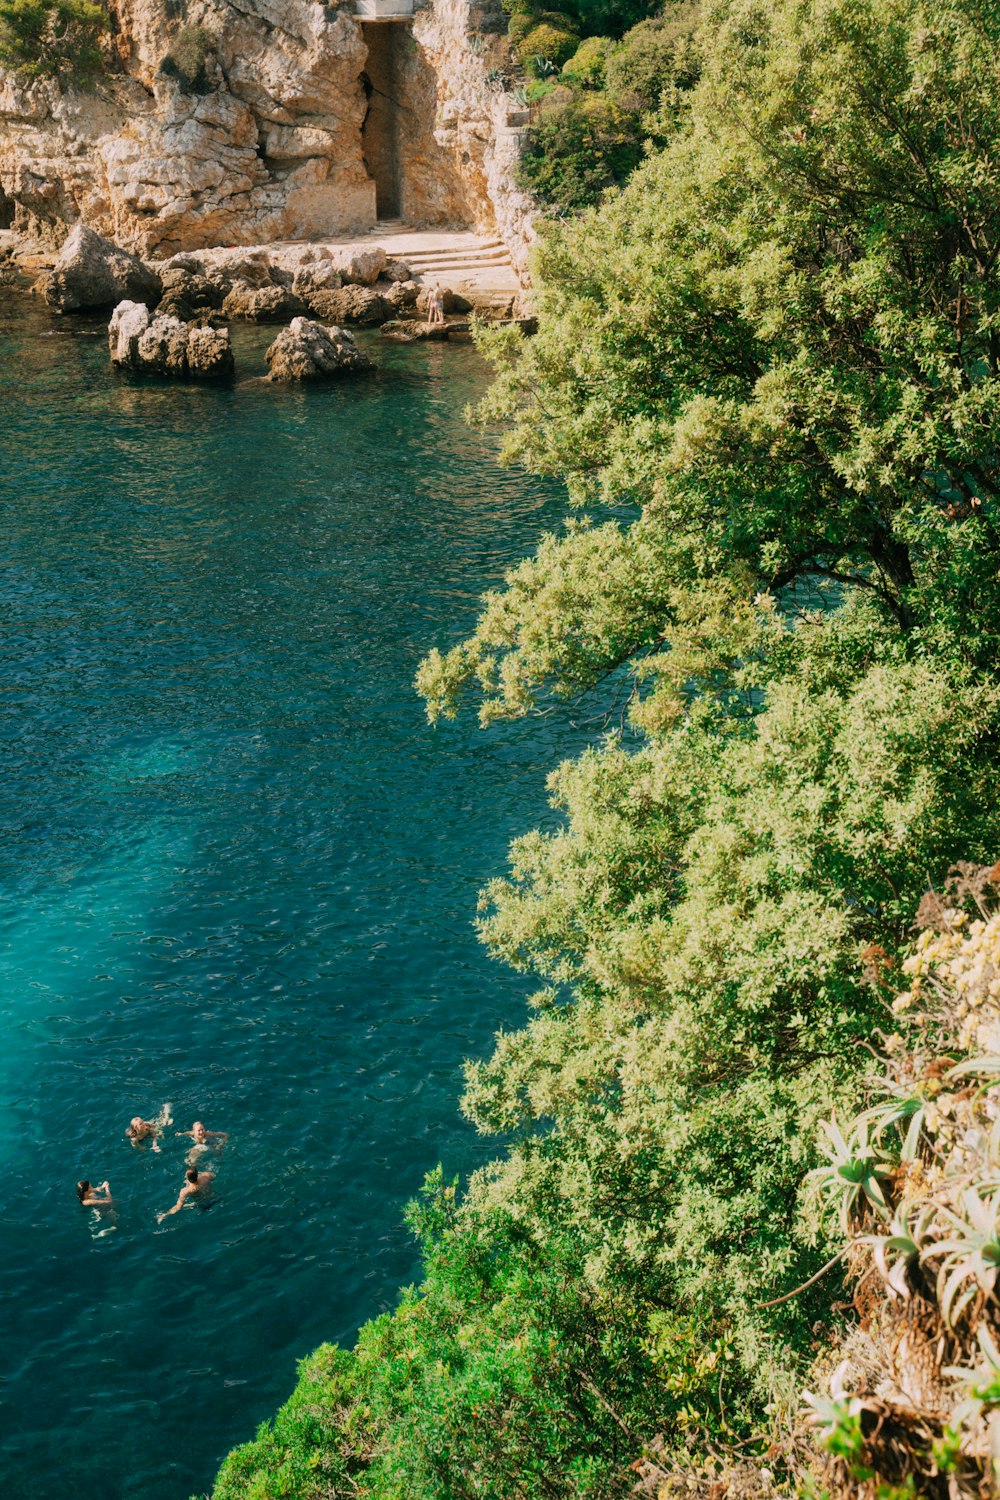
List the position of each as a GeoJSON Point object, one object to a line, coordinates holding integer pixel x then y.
{"type": "Point", "coordinates": [39, 38]}
{"type": "Point", "coordinates": [767, 370]}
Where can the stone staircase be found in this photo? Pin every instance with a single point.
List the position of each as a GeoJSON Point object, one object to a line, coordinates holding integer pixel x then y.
{"type": "Point", "coordinates": [478, 264]}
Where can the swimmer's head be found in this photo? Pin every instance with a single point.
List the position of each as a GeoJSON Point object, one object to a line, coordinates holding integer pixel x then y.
{"type": "Point", "coordinates": [198, 1130]}
{"type": "Point", "coordinates": [191, 1174]}
{"type": "Point", "coordinates": [82, 1189]}
{"type": "Point", "coordinates": [135, 1123]}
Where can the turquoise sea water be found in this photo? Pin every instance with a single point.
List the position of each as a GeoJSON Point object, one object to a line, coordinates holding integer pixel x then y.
{"type": "Point", "coordinates": [237, 872]}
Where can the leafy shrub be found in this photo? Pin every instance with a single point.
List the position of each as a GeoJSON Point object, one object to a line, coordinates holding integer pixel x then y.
{"type": "Point", "coordinates": [586, 66]}
{"type": "Point", "coordinates": [654, 56]}
{"type": "Point", "coordinates": [44, 40]}
{"type": "Point", "coordinates": [546, 44]}
{"type": "Point", "coordinates": [577, 148]}
{"type": "Point", "coordinates": [188, 57]}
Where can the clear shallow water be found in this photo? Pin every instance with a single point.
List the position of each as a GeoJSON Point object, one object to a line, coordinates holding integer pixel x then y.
{"type": "Point", "coordinates": [237, 872]}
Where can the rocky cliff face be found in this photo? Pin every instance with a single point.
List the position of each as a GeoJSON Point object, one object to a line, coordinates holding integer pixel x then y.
{"type": "Point", "coordinates": [269, 143]}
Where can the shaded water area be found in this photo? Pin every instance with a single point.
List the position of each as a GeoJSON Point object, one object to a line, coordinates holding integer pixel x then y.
{"type": "Point", "coordinates": [237, 872]}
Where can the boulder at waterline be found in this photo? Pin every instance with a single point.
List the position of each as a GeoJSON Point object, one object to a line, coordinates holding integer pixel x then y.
{"type": "Point", "coordinates": [163, 345]}
{"type": "Point", "coordinates": [351, 304]}
{"type": "Point", "coordinates": [94, 272]}
{"type": "Point", "coordinates": [187, 295]}
{"type": "Point", "coordinates": [266, 304]}
{"type": "Point", "coordinates": [308, 351]}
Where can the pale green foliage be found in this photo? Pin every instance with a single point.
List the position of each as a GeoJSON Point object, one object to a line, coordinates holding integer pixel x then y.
{"type": "Point", "coordinates": [586, 66]}
{"type": "Point", "coordinates": [707, 899]}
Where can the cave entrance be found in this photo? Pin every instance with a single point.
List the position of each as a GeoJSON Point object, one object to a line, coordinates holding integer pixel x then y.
{"type": "Point", "coordinates": [380, 131]}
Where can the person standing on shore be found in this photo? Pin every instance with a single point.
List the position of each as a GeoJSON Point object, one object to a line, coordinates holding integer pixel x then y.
{"type": "Point", "coordinates": [435, 307]}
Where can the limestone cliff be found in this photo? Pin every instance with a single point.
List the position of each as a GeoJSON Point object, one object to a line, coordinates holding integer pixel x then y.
{"type": "Point", "coordinates": [276, 140]}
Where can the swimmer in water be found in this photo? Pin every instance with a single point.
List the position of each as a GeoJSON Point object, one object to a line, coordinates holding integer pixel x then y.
{"type": "Point", "coordinates": [202, 1139]}
{"type": "Point", "coordinates": [94, 1197]}
{"type": "Point", "coordinates": [197, 1185]}
{"type": "Point", "coordinates": [140, 1130]}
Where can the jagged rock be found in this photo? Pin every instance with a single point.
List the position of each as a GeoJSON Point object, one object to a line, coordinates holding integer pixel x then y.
{"type": "Point", "coordinates": [266, 304]}
{"type": "Point", "coordinates": [360, 267]}
{"type": "Point", "coordinates": [93, 272]}
{"type": "Point", "coordinates": [272, 151]}
{"type": "Point", "coordinates": [352, 304]}
{"type": "Point", "coordinates": [183, 262]}
{"type": "Point", "coordinates": [187, 296]}
{"type": "Point", "coordinates": [161, 348]}
{"type": "Point", "coordinates": [129, 322]}
{"type": "Point", "coordinates": [163, 345]}
{"type": "Point", "coordinates": [308, 351]}
{"type": "Point", "coordinates": [317, 276]}
{"type": "Point", "coordinates": [393, 271]}
{"type": "Point", "coordinates": [401, 294]}
{"type": "Point", "coordinates": [209, 354]}
{"type": "Point", "coordinates": [253, 270]}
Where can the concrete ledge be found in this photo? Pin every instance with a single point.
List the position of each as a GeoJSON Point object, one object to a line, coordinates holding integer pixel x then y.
{"type": "Point", "coordinates": [383, 10]}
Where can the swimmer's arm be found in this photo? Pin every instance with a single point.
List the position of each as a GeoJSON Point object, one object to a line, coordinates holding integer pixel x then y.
{"type": "Point", "coordinates": [218, 1135]}
{"type": "Point", "coordinates": [177, 1205]}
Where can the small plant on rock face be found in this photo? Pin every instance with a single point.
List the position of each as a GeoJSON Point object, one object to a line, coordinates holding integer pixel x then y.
{"type": "Point", "coordinates": [187, 58]}
{"type": "Point", "coordinates": [970, 1258]}
{"type": "Point", "coordinates": [851, 1180]}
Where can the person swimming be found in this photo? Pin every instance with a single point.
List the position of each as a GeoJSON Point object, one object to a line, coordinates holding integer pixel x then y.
{"type": "Point", "coordinates": [202, 1139]}
{"type": "Point", "coordinates": [94, 1197]}
{"type": "Point", "coordinates": [197, 1185]}
{"type": "Point", "coordinates": [140, 1130]}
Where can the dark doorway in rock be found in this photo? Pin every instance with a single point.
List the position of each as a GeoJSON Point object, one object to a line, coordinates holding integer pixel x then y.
{"type": "Point", "coordinates": [7, 210]}
{"type": "Point", "coordinates": [380, 130]}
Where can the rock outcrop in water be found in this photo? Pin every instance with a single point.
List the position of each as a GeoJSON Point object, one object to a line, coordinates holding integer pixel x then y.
{"type": "Point", "coordinates": [163, 345]}
{"type": "Point", "coordinates": [267, 142]}
{"type": "Point", "coordinates": [92, 272]}
{"type": "Point", "coordinates": [308, 351]}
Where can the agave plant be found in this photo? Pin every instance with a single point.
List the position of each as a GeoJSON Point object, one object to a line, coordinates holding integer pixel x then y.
{"type": "Point", "coordinates": [854, 1170]}
{"type": "Point", "coordinates": [982, 1384]}
{"type": "Point", "coordinates": [970, 1257]}
{"type": "Point", "coordinates": [901, 1108]}
{"type": "Point", "coordinates": [897, 1253]}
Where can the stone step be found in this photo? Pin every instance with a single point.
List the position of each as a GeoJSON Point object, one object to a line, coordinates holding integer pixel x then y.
{"type": "Point", "coordinates": [457, 260]}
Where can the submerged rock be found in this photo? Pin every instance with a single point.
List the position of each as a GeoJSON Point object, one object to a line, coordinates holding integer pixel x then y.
{"type": "Point", "coordinates": [94, 272]}
{"type": "Point", "coordinates": [163, 345]}
{"type": "Point", "coordinates": [308, 351]}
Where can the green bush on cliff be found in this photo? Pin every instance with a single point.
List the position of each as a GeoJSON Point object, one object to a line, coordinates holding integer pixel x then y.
{"type": "Point", "coordinates": [586, 66]}
{"type": "Point", "coordinates": [546, 48]}
{"type": "Point", "coordinates": [578, 147]}
{"type": "Point", "coordinates": [660, 54]}
{"type": "Point", "coordinates": [44, 40]}
{"type": "Point", "coordinates": [768, 371]}
{"type": "Point", "coordinates": [188, 56]}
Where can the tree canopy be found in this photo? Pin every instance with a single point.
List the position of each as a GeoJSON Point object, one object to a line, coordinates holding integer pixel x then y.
{"type": "Point", "coordinates": [767, 372]}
